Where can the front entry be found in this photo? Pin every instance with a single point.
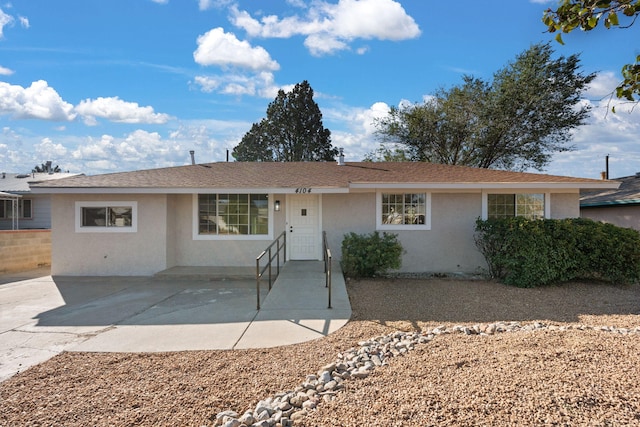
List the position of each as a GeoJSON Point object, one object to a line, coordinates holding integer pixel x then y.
{"type": "Point", "coordinates": [303, 224]}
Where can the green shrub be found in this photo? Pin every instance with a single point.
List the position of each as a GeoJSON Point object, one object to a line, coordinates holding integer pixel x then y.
{"type": "Point", "coordinates": [370, 255]}
{"type": "Point", "coordinates": [528, 253]}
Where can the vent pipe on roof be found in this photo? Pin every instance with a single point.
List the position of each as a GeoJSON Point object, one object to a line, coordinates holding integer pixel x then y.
{"type": "Point", "coordinates": [193, 157]}
{"type": "Point", "coordinates": [341, 157]}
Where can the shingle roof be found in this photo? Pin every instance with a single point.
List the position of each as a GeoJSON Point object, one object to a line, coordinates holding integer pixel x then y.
{"type": "Point", "coordinates": [309, 174]}
{"type": "Point", "coordinates": [627, 194]}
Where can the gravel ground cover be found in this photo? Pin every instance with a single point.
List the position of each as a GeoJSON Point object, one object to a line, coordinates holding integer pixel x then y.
{"type": "Point", "coordinates": [553, 376]}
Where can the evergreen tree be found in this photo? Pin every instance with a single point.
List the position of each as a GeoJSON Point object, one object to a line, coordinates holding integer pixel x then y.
{"type": "Point", "coordinates": [291, 132]}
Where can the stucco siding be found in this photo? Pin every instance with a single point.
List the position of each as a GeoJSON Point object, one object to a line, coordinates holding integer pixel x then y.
{"type": "Point", "coordinates": [108, 253]}
{"type": "Point", "coordinates": [622, 216]}
{"type": "Point", "coordinates": [190, 252]}
{"type": "Point", "coordinates": [447, 247]}
{"type": "Point", "coordinates": [565, 205]}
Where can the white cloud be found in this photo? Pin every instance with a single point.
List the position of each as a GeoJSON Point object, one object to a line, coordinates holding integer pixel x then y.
{"type": "Point", "coordinates": [144, 150]}
{"type": "Point", "coordinates": [161, 1]}
{"type": "Point", "coordinates": [38, 101]}
{"type": "Point", "coordinates": [210, 4]}
{"type": "Point", "coordinates": [261, 84]}
{"type": "Point", "coordinates": [331, 27]}
{"type": "Point", "coordinates": [357, 130]}
{"type": "Point", "coordinates": [221, 49]}
{"type": "Point", "coordinates": [603, 85]}
{"type": "Point", "coordinates": [4, 21]}
{"type": "Point", "coordinates": [24, 21]}
{"type": "Point", "coordinates": [4, 71]}
{"type": "Point", "coordinates": [207, 84]}
{"type": "Point", "coordinates": [116, 110]}
{"type": "Point", "coordinates": [47, 149]}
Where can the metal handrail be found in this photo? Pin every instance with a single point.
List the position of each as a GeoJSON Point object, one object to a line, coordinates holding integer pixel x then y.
{"type": "Point", "coordinates": [326, 255]}
{"type": "Point", "coordinates": [276, 256]}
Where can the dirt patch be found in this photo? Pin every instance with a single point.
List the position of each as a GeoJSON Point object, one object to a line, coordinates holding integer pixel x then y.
{"type": "Point", "coordinates": [524, 378]}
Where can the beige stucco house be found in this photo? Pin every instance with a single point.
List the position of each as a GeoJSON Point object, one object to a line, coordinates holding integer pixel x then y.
{"type": "Point", "coordinates": [619, 206]}
{"type": "Point", "coordinates": [225, 214]}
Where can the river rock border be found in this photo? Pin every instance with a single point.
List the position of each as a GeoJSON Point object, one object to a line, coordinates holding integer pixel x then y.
{"type": "Point", "coordinates": [289, 408]}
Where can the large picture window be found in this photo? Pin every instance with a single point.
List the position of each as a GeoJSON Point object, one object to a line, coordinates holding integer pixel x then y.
{"type": "Point", "coordinates": [24, 209]}
{"type": "Point", "coordinates": [233, 214]}
{"type": "Point", "coordinates": [509, 205]}
{"type": "Point", "coordinates": [403, 210]}
{"type": "Point", "coordinates": [106, 216]}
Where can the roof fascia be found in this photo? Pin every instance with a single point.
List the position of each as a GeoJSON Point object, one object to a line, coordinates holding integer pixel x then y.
{"type": "Point", "coordinates": [489, 185]}
{"type": "Point", "coordinates": [192, 190]}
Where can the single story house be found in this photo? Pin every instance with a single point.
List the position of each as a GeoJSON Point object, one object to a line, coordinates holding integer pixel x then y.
{"type": "Point", "coordinates": [619, 206]}
{"type": "Point", "coordinates": [225, 214]}
{"type": "Point", "coordinates": [21, 209]}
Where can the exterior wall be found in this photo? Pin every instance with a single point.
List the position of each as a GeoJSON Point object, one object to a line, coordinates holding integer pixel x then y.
{"type": "Point", "coordinates": [565, 205]}
{"type": "Point", "coordinates": [109, 254]}
{"type": "Point", "coordinates": [23, 250]}
{"type": "Point", "coordinates": [41, 214]}
{"type": "Point", "coordinates": [164, 237]}
{"type": "Point", "coordinates": [622, 216]}
{"type": "Point", "coordinates": [217, 253]}
{"type": "Point", "coordinates": [447, 247]}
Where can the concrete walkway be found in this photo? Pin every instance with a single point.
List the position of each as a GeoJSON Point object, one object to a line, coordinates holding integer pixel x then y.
{"type": "Point", "coordinates": [43, 316]}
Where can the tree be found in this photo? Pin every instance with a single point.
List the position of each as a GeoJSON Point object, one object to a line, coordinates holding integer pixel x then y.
{"type": "Point", "coordinates": [587, 15]}
{"type": "Point", "coordinates": [386, 153]}
{"type": "Point", "coordinates": [292, 131]}
{"type": "Point", "coordinates": [44, 167]}
{"type": "Point", "coordinates": [515, 122]}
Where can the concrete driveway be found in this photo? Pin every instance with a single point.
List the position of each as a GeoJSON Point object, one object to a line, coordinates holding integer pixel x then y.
{"type": "Point", "coordinates": [41, 316]}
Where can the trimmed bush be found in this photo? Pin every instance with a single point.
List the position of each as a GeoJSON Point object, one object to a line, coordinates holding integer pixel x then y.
{"type": "Point", "coordinates": [370, 255]}
{"type": "Point", "coordinates": [529, 253]}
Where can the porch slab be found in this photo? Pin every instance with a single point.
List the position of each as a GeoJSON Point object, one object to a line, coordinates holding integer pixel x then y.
{"type": "Point", "coordinates": [207, 273]}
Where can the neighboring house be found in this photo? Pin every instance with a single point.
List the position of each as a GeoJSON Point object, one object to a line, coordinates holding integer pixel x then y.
{"type": "Point", "coordinates": [619, 206]}
{"type": "Point", "coordinates": [225, 214]}
{"type": "Point", "coordinates": [19, 208]}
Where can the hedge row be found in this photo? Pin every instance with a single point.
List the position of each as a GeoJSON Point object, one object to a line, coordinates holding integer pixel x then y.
{"type": "Point", "coordinates": [529, 253]}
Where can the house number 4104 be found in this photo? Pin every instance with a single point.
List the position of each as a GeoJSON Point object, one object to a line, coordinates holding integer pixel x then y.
{"type": "Point", "coordinates": [303, 190]}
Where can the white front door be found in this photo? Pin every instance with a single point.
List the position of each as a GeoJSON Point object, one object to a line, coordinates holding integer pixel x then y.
{"type": "Point", "coordinates": [303, 225]}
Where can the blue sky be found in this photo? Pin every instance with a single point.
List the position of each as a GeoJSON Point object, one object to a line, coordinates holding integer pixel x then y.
{"type": "Point", "coordinates": [103, 86]}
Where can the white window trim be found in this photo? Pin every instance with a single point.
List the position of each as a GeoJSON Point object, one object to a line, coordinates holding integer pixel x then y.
{"type": "Point", "coordinates": [485, 200]}
{"type": "Point", "coordinates": [107, 203]}
{"type": "Point", "coordinates": [195, 222]}
{"type": "Point", "coordinates": [397, 227]}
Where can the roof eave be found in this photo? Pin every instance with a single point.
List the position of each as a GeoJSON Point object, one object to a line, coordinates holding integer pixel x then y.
{"type": "Point", "coordinates": [185, 190]}
{"type": "Point", "coordinates": [489, 185]}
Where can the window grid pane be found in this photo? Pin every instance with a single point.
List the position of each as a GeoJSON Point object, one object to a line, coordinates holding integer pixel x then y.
{"type": "Point", "coordinates": [233, 214]}
{"type": "Point", "coordinates": [529, 206]}
{"type": "Point", "coordinates": [404, 208]}
{"type": "Point", "coordinates": [24, 209]}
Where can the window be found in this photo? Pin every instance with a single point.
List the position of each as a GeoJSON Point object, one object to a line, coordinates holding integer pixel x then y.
{"type": "Point", "coordinates": [509, 205]}
{"type": "Point", "coordinates": [233, 214]}
{"type": "Point", "coordinates": [403, 211]}
{"type": "Point", "coordinates": [24, 209]}
{"type": "Point", "coordinates": [106, 216]}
